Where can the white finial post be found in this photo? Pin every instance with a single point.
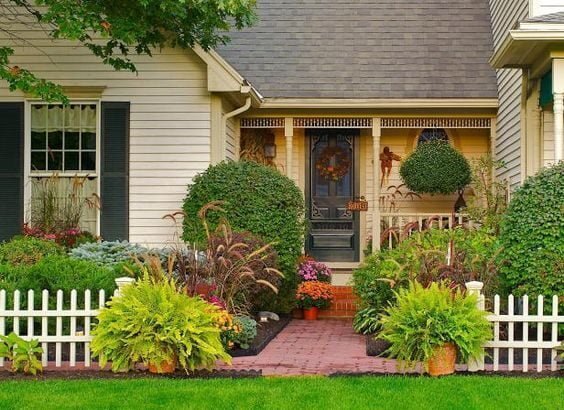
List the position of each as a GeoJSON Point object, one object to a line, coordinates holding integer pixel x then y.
{"type": "Point", "coordinates": [121, 282]}
{"type": "Point", "coordinates": [475, 288]}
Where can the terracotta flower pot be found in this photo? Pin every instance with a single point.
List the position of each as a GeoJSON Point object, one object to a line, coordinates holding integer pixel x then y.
{"type": "Point", "coordinates": [443, 360]}
{"type": "Point", "coordinates": [166, 367]}
{"type": "Point", "coordinates": [311, 313]}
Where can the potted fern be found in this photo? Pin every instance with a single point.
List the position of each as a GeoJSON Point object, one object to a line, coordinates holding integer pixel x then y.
{"type": "Point", "coordinates": [430, 325]}
{"type": "Point", "coordinates": [151, 322]}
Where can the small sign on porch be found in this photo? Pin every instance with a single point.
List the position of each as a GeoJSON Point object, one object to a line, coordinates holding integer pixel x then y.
{"type": "Point", "coordinates": [359, 204]}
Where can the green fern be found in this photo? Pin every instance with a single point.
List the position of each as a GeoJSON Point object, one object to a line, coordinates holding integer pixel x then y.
{"type": "Point", "coordinates": [150, 322]}
{"type": "Point", "coordinates": [425, 318]}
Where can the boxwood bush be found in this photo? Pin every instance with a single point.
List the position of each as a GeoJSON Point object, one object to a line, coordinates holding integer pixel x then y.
{"type": "Point", "coordinates": [532, 236]}
{"type": "Point", "coordinates": [257, 199]}
{"type": "Point", "coordinates": [435, 167]}
{"type": "Point", "coordinates": [60, 272]}
{"type": "Point", "coordinates": [27, 250]}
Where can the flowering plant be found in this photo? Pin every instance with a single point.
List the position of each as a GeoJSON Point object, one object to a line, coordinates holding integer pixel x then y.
{"type": "Point", "coordinates": [314, 294]}
{"type": "Point", "coordinates": [310, 269]}
{"type": "Point", "coordinates": [67, 237]}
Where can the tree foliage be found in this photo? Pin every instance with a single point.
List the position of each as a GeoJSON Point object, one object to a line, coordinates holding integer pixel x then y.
{"type": "Point", "coordinates": [115, 30]}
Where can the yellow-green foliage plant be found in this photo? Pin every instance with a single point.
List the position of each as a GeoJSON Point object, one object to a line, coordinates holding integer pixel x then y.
{"type": "Point", "coordinates": [152, 322]}
{"type": "Point", "coordinates": [424, 318]}
{"type": "Point", "coordinates": [24, 355]}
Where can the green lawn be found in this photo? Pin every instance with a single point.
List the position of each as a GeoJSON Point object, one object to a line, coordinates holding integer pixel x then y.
{"type": "Point", "coordinates": [457, 392]}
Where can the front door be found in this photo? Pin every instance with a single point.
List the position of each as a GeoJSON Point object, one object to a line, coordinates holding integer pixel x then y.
{"type": "Point", "coordinates": [332, 182]}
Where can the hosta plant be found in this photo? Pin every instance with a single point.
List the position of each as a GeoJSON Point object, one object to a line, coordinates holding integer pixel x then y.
{"type": "Point", "coordinates": [152, 323]}
{"type": "Point", "coordinates": [423, 319]}
{"type": "Point", "coordinates": [24, 355]}
{"type": "Point", "coordinates": [242, 332]}
{"type": "Point", "coordinates": [367, 321]}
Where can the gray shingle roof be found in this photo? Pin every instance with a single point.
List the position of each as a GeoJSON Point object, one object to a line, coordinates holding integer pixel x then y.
{"type": "Point", "coordinates": [547, 18]}
{"type": "Point", "coordinates": [367, 49]}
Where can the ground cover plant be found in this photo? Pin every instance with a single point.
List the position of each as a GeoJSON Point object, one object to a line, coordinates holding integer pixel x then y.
{"type": "Point", "coordinates": [257, 199]}
{"type": "Point", "coordinates": [532, 236]}
{"type": "Point", "coordinates": [395, 392]}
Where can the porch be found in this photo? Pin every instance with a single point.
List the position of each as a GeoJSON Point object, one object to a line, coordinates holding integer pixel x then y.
{"type": "Point", "coordinates": [301, 146]}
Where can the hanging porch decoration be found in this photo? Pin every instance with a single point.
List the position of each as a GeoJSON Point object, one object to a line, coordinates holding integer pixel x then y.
{"type": "Point", "coordinates": [333, 170]}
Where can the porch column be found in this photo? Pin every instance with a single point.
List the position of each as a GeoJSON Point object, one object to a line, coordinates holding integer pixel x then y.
{"type": "Point", "coordinates": [558, 107]}
{"type": "Point", "coordinates": [289, 134]}
{"type": "Point", "coordinates": [376, 133]}
{"type": "Point", "coordinates": [558, 126]}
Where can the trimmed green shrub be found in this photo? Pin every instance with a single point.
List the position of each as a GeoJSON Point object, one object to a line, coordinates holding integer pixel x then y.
{"type": "Point", "coordinates": [424, 318]}
{"type": "Point", "coordinates": [151, 322]}
{"type": "Point", "coordinates": [61, 272]}
{"type": "Point", "coordinates": [532, 236]}
{"type": "Point", "coordinates": [257, 199]}
{"type": "Point", "coordinates": [108, 252]}
{"type": "Point", "coordinates": [435, 167]}
{"type": "Point", "coordinates": [423, 257]}
{"type": "Point", "coordinates": [27, 250]}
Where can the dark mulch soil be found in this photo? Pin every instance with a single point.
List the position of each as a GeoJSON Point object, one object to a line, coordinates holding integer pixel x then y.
{"type": "Point", "coordinates": [105, 374]}
{"type": "Point", "coordinates": [529, 375]}
{"type": "Point", "coordinates": [375, 347]}
{"type": "Point", "coordinates": [265, 333]}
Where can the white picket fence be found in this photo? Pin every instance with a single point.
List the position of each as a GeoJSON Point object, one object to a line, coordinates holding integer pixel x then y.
{"type": "Point", "coordinates": [31, 323]}
{"type": "Point", "coordinates": [522, 321]}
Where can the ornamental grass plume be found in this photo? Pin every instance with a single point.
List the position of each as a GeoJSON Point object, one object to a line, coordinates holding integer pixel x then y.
{"type": "Point", "coordinates": [314, 294]}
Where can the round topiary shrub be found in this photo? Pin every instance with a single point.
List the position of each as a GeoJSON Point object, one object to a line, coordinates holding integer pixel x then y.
{"type": "Point", "coordinates": [435, 167]}
{"type": "Point", "coordinates": [257, 199]}
{"type": "Point", "coordinates": [532, 236]}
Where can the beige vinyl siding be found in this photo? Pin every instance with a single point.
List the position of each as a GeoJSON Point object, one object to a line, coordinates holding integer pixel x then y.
{"type": "Point", "coordinates": [507, 147]}
{"type": "Point", "coordinates": [231, 133]}
{"type": "Point", "coordinates": [170, 120]}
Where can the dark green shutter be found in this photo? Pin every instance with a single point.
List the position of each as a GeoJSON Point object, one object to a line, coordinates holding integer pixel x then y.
{"type": "Point", "coordinates": [11, 169]}
{"type": "Point", "coordinates": [545, 97]}
{"type": "Point", "coordinates": [114, 183]}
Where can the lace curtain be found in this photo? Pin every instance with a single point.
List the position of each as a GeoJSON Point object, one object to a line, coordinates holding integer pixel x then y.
{"type": "Point", "coordinates": [73, 118]}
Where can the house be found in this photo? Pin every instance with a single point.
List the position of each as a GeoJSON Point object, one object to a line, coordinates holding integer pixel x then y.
{"type": "Point", "coordinates": [337, 92]}
{"type": "Point", "coordinates": [528, 37]}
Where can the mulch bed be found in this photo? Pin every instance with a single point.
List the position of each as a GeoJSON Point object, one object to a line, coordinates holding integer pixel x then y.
{"type": "Point", "coordinates": [266, 331]}
{"type": "Point", "coordinates": [138, 374]}
{"type": "Point", "coordinates": [375, 347]}
{"type": "Point", "coordinates": [528, 375]}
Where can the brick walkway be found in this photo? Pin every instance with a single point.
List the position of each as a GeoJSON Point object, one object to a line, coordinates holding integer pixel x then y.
{"type": "Point", "coordinates": [314, 347]}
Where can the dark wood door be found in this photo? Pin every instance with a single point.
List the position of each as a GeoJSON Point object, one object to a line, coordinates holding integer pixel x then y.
{"type": "Point", "coordinates": [332, 181]}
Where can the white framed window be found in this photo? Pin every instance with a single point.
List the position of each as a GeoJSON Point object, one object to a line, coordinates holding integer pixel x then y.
{"type": "Point", "coordinates": [64, 141]}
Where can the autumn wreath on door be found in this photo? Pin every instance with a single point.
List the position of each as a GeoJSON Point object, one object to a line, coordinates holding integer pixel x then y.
{"type": "Point", "coordinates": [333, 163]}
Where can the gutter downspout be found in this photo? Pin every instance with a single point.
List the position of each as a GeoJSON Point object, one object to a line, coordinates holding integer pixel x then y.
{"type": "Point", "coordinates": [231, 114]}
